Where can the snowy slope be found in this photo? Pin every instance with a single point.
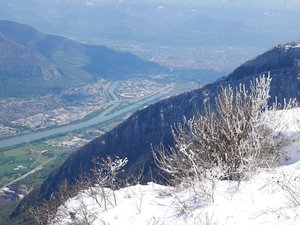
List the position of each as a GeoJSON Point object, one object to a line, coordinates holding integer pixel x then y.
{"type": "Point", "coordinates": [270, 197]}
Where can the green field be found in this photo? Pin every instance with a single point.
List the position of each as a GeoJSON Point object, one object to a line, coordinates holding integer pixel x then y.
{"type": "Point", "coordinates": [26, 158]}
{"type": "Point", "coordinates": [18, 161]}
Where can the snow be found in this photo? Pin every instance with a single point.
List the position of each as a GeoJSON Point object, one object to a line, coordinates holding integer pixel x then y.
{"type": "Point", "coordinates": [296, 46]}
{"type": "Point", "coordinates": [286, 125]}
{"type": "Point", "coordinates": [270, 197]}
{"type": "Point", "coordinates": [289, 46]}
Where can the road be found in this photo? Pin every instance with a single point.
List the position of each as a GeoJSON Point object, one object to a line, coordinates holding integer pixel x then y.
{"type": "Point", "coordinates": [110, 88]}
{"type": "Point", "coordinates": [27, 174]}
{"type": "Point", "coordinates": [4, 165]}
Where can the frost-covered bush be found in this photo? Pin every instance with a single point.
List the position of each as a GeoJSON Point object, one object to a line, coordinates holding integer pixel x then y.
{"type": "Point", "coordinates": [227, 143]}
{"type": "Point", "coordinates": [103, 175]}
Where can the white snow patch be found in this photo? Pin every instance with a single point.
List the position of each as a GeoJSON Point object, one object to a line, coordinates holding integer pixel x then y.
{"type": "Point", "coordinates": [267, 198]}
{"type": "Point", "coordinates": [286, 125]}
{"type": "Point", "coordinates": [291, 46]}
{"type": "Point", "coordinates": [296, 46]}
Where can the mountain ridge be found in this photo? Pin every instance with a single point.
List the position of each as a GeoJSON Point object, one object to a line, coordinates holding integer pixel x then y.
{"type": "Point", "coordinates": [72, 62]}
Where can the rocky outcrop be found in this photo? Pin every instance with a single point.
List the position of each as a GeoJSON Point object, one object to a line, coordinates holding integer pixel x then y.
{"type": "Point", "coordinates": [18, 61]}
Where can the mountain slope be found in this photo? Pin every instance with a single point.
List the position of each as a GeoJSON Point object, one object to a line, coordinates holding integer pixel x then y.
{"type": "Point", "coordinates": [21, 67]}
{"type": "Point", "coordinates": [48, 56]}
{"type": "Point", "coordinates": [152, 125]}
{"type": "Point", "coordinates": [209, 30]}
{"type": "Point", "coordinates": [271, 196]}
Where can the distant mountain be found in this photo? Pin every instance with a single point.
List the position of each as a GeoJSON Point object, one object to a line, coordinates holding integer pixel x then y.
{"type": "Point", "coordinates": [21, 67]}
{"type": "Point", "coordinates": [209, 30]}
{"type": "Point", "coordinates": [158, 22]}
{"type": "Point", "coordinates": [34, 63]}
{"type": "Point", "coordinates": [152, 125]}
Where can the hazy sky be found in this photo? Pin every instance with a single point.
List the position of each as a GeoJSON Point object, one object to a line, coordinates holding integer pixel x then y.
{"type": "Point", "coordinates": [254, 4]}
{"type": "Point", "coordinates": [269, 4]}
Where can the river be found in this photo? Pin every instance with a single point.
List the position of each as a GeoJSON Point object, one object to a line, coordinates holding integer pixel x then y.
{"type": "Point", "coordinates": [100, 118]}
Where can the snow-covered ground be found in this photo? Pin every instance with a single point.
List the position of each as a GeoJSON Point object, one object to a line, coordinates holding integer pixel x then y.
{"type": "Point", "coordinates": [270, 197]}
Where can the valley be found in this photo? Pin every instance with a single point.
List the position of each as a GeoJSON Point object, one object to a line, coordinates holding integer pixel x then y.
{"type": "Point", "coordinates": [20, 116]}
{"type": "Point", "coordinates": [199, 57]}
{"type": "Point", "coordinates": [76, 109]}
{"type": "Point", "coordinates": [39, 133]}
{"type": "Point", "coordinates": [66, 95]}
{"type": "Point", "coordinates": [82, 80]}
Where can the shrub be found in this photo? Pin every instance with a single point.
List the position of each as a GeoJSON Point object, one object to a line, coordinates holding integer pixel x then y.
{"type": "Point", "coordinates": [227, 143]}
{"type": "Point", "coordinates": [103, 174]}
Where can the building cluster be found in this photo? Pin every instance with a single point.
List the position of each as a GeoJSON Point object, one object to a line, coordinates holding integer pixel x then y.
{"type": "Point", "coordinates": [14, 192]}
{"type": "Point", "coordinates": [138, 88]}
{"type": "Point", "coordinates": [72, 105]}
{"type": "Point", "coordinates": [7, 131]}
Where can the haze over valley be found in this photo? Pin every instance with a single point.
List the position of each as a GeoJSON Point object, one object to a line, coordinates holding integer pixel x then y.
{"type": "Point", "coordinates": [211, 35]}
{"type": "Point", "coordinates": [81, 79]}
